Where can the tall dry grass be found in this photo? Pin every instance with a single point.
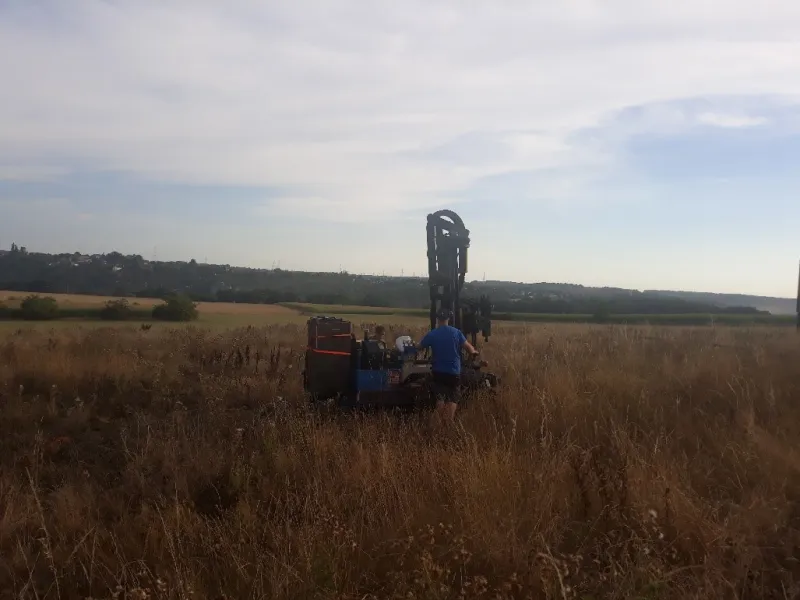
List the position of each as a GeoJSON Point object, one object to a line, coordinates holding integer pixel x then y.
{"type": "Point", "coordinates": [616, 463]}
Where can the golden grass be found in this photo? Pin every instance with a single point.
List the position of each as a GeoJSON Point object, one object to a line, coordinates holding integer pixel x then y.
{"type": "Point", "coordinates": [615, 463]}
{"type": "Point", "coordinates": [12, 299]}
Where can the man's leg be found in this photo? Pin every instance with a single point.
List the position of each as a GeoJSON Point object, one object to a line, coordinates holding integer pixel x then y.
{"type": "Point", "coordinates": [438, 414]}
{"type": "Point", "coordinates": [439, 395]}
{"type": "Point", "coordinates": [449, 411]}
{"type": "Point", "coordinates": [447, 399]}
{"type": "Point", "coordinates": [444, 415]}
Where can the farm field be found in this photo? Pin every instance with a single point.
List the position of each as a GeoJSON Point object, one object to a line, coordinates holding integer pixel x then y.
{"type": "Point", "coordinates": [78, 301]}
{"type": "Point", "coordinates": [85, 309]}
{"type": "Point", "coordinates": [622, 319]}
{"type": "Point", "coordinates": [616, 462]}
{"type": "Point", "coordinates": [212, 314]}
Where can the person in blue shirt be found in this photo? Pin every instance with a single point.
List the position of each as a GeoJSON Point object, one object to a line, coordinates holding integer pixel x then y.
{"type": "Point", "coordinates": [446, 342]}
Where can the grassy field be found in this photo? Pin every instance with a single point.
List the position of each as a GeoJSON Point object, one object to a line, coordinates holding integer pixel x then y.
{"type": "Point", "coordinates": [623, 319]}
{"type": "Point", "coordinates": [212, 314]}
{"type": "Point", "coordinates": [616, 462]}
{"type": "Point", "coordinates": [76, 301]}
{"type": "Point", "coordinates": [12, 299]}
{"type": "Point", "coordinates": [221, 314]}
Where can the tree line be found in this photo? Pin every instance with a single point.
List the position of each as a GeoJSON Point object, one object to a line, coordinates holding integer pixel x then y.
{"type": "Point", "coordinates": [130, 276]}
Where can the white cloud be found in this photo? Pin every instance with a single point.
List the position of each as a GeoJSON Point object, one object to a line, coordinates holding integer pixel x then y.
{"type": "Point", "coordinates": [38, 206]}
{"type": "Point", "coordinates": [730, 120]}
{"type": "Point", "coordinates": [341, 103]}
{"type": "Point", "coordinates": [40, 172]}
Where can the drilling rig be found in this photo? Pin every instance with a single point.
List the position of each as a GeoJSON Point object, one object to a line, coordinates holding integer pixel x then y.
{"type": "Point", "coordinates": [448, 243]}
{"type": "Point", "coordinates": [362, 372]}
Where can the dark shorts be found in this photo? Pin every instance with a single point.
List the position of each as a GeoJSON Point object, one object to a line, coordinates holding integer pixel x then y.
{"type": "Point", "coordinates": [446, 387]}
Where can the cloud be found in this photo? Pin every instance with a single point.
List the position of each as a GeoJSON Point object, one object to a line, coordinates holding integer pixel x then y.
{"type": "Point", "coordinates": [37, 206]}
{"type": "Point", "coordinates": [358, 110]}
{"type": "Point", "coordinates": [35, 172]}
{"type": "Point", "coordinates": [728, 120]}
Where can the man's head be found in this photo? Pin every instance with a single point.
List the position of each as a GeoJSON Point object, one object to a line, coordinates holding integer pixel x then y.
{"type": "Point", "coordinates": [443, 317]}
{"type": "Point", "coordinates": [380, 332]}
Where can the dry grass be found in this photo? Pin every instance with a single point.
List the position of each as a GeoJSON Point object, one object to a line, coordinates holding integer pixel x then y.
{"type": "Point", "coordinates": [12, 299]}
{"type": "Point", "coordinates": [617, 463]}
{"type": "Point", "coordinates": [74, 300]}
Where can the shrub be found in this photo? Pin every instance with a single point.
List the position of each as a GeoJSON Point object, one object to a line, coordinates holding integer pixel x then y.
{"type": "Point", "coordinates": [176, 308]}
{"type": "Point", "coordinates": [38, 308]}
{"type": "Point", "coordinates": [116, 310]}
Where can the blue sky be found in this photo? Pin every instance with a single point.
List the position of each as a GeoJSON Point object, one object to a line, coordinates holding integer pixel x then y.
{"type": "Point", "coordinates": [603, 143]}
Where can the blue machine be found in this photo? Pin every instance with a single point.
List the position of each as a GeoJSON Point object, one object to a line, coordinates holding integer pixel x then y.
{"type": "Point", "coordinates": [367, 373]}
{"type": "Point", "coordinates": [376, 381]}
{"type": "Point", "coordinates": [384, 375]}
{"type": "Point", "coordinates": [388, 368]}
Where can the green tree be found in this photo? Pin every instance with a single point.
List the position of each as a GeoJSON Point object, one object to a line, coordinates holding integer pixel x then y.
{"type": "Point", "coordinates": [38, 308]}
{"type": "Point", "coordinates": [116, 310]}
{"type": "Point", "coordinates": [176, 308]}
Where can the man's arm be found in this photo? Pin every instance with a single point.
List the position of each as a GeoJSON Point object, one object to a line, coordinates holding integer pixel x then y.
{"type": "Point", "coordinates": [465, 343]}
{"type": "Point", "coordinates": [470, 348]}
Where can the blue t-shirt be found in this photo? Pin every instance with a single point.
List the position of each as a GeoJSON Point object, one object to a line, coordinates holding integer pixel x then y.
{"type": "Point", "coordinates": [445, 341]}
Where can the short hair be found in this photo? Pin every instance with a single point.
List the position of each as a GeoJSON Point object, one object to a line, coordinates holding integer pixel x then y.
{"type": "Point", "coordinates": [380, 329]}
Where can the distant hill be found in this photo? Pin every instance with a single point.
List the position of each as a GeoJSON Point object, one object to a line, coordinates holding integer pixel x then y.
{"type": "Point", "coordinates": [115, 274]}
{"type": "Point", "coordinates": [776, 306]}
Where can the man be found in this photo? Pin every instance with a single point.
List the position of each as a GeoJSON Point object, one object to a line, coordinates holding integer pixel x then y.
{"type": "Point", "coordinates": [446, 343]}
{"type": "Point", "coordinates": [380, 336]}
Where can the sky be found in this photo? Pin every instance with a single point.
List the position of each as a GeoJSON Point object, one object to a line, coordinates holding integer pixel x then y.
{"type": "Point", "coordinates": [647, 145]}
